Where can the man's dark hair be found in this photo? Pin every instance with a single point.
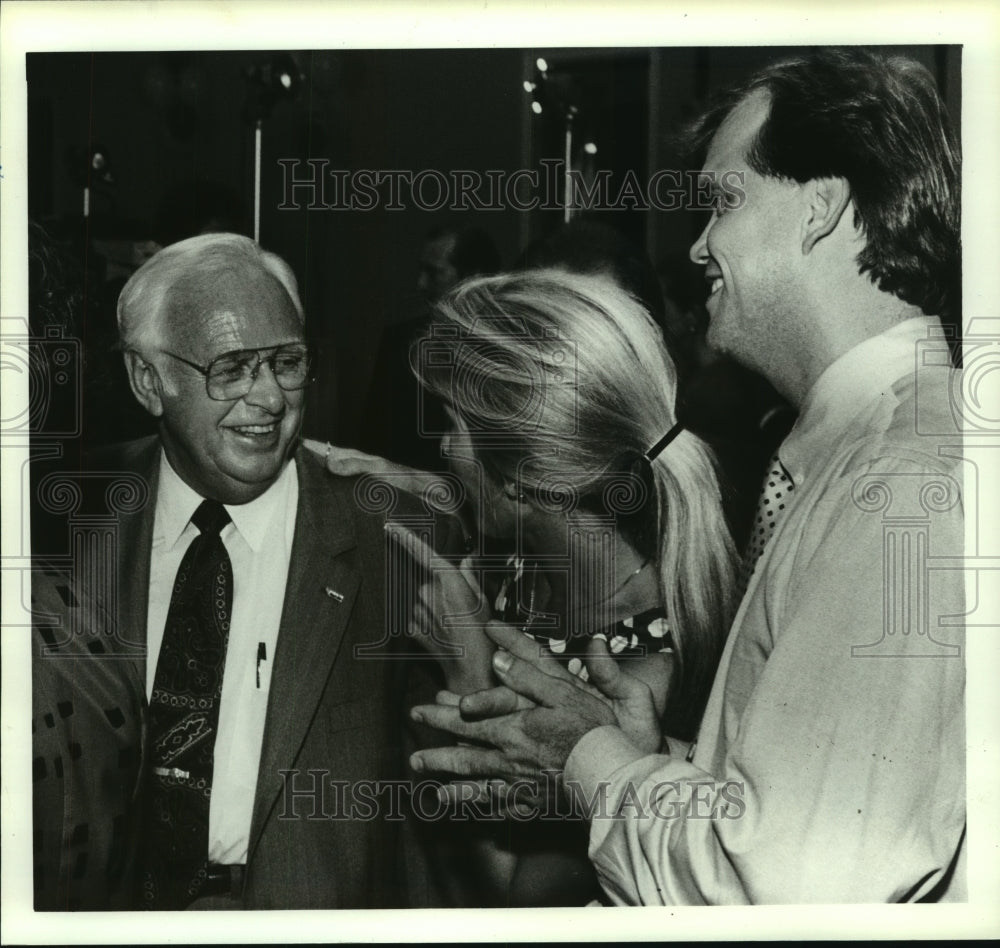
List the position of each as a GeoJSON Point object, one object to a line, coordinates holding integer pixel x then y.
{"type": "Point", "coordinates": [878, 122]}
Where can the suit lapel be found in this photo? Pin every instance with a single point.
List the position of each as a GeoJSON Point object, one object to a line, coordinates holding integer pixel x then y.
{"type": "Point", "coordinates": [319, 597]}
{"type": "Point", "coordinates": [135, 544]}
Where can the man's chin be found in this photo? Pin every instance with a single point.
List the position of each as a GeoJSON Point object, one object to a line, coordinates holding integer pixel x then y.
{"type": "Point", "coordinates": [249, 485]}
{"type": "Point", "coordinates": [249, 475]}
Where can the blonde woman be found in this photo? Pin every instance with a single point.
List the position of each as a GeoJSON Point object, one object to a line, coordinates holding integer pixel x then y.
{"type": "Point", "coordinates": [561, 400]}
{"type": "Point", "coordinates": [561, 397]}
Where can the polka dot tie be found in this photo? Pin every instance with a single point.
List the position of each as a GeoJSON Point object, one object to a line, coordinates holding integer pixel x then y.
{"type": "Point", "coordinates": [184, 716]}
{"type": "Point", "coordinates": [774, 498]}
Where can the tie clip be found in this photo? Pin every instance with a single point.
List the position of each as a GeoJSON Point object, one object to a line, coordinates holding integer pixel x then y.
{"type": "Point", "coordinates": [174, 772]}
{"type": "Point", "coordinates": [333, 594]}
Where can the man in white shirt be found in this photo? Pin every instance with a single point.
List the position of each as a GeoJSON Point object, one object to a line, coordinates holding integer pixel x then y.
{"type": "Point", "coordinates": [212, 331]}
{"type": "Point", "coordinates": [830, 763]}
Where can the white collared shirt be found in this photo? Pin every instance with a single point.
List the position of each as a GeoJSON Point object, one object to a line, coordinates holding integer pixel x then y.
{"type": "Point", "coordinates": [259, 543]}
{"type": "Point", "coordinates": [830, 765]}
{"type": "Point", "coordinates": [853, 385]}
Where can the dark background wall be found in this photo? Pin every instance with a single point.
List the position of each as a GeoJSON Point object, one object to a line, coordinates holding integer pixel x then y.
{"type": "Point", "coordinates": [167, 120]}
{"type": "Point", "coordinates": [170, 120]}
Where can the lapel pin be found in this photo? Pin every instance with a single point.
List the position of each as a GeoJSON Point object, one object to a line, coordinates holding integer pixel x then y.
{"type": "Point", "coordinates": [333, 594]}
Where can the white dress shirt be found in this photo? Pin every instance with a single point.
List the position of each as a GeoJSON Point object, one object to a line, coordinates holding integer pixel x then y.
{"type": "Point", "coordinates": [830, 770]}
{"type": "Point", "coordinates": [259, 543]}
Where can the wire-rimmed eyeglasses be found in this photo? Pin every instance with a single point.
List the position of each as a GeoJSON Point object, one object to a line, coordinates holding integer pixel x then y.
{"type": "Point", "coordinates": [232, 374]}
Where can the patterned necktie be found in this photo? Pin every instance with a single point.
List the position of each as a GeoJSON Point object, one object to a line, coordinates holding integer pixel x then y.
{"type": "Point", "coordinates": [184, 716]}
{"type": "Point", "coordinates": [771, 505]}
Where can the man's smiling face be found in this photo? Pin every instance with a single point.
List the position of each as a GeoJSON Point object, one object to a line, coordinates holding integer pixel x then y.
{"type": "Point", "coordinates": [230, 451]}
{"type": "Point", "coordinates": [749, 250]}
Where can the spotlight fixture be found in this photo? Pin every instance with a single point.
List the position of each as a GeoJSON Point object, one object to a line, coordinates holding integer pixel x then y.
{"type": "Point", "coordinates": [100, 165]}
{"type": "Point", "coordinates": [554, 93]}
{"type": "Point", "coordinates": [90, 166]}
{"type": "Point", "coordinates": [269, 82]}
{"type": "Point", "coordinates": [90, 169]}
{"type": "Point", "coordinates": [557, 95]}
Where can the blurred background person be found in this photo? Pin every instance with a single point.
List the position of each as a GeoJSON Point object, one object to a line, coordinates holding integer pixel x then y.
{"type": "Point", "coordinates": [393, 427]}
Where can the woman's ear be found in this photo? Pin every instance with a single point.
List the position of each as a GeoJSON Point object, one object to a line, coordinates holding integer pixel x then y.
{"type": "Point", "coordinates": [828, 199]}
{"type": "Point", "coordinates": [145, 382]}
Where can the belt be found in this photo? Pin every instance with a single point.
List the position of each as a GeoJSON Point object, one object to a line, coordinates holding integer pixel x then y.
{"type": "Point", "coordinates": [223, 880]}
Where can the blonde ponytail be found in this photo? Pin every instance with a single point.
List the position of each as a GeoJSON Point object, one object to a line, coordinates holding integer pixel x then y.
{"type": "Point", "coordinates": [697, 562]}
{"type": "Point", "coordinates": [592, 366]}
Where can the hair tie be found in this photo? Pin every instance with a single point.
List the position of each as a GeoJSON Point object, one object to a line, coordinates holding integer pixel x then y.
{"type": "Point", "coordinates": [654, 452]}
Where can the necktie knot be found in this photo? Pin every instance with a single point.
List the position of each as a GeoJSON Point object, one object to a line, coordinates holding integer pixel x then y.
{"type": "Point", "coordinates": [210, 518]}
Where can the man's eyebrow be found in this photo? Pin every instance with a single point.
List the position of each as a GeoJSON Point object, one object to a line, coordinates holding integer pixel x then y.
{"type": "Point", "coordinates": [273, 346]}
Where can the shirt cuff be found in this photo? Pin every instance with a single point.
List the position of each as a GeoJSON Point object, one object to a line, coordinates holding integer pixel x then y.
{"type": "Point", "coordinates": [597, 755]}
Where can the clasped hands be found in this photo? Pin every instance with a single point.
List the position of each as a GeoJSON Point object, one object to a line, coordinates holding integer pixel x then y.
{"type": "Point", "coordinates": [526, 727]}
{"type": "Point", "coordinates": [529, 724]}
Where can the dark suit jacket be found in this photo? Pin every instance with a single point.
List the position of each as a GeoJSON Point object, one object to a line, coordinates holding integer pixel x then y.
{"type": "Point", "coordinates": [332, 716]}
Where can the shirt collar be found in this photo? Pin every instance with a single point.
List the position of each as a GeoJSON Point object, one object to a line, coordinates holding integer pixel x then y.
{"type": "Point", "coordinates": [176, 502]}
{"type": "Point", "coordinates": [856, 381]}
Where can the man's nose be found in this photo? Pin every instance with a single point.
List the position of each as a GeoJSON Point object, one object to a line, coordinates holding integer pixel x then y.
{"type": "Point", "coordinates": [265, 392]}
{"type": "Point", "coordinates": [699, 249]}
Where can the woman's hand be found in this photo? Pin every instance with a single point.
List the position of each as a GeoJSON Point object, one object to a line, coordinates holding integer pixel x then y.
{"type": "Point", "coordinates": [635, 690]}
{"type": "Point", "coordinates": [348, 462]}
{"type": "Point", "coordinates": [449, 617]}
{"type": "Point", "coordinates": [655, 671]}
{"type": "Point", "coordinates": [506, 742]}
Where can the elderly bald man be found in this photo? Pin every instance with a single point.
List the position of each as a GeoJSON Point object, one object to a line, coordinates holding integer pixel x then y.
{"type": "Point", "coordinates": [251, 576]}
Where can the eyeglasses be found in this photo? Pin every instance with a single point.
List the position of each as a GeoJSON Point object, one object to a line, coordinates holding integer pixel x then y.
{"type": "Point", "coordinates": [232, 374]}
